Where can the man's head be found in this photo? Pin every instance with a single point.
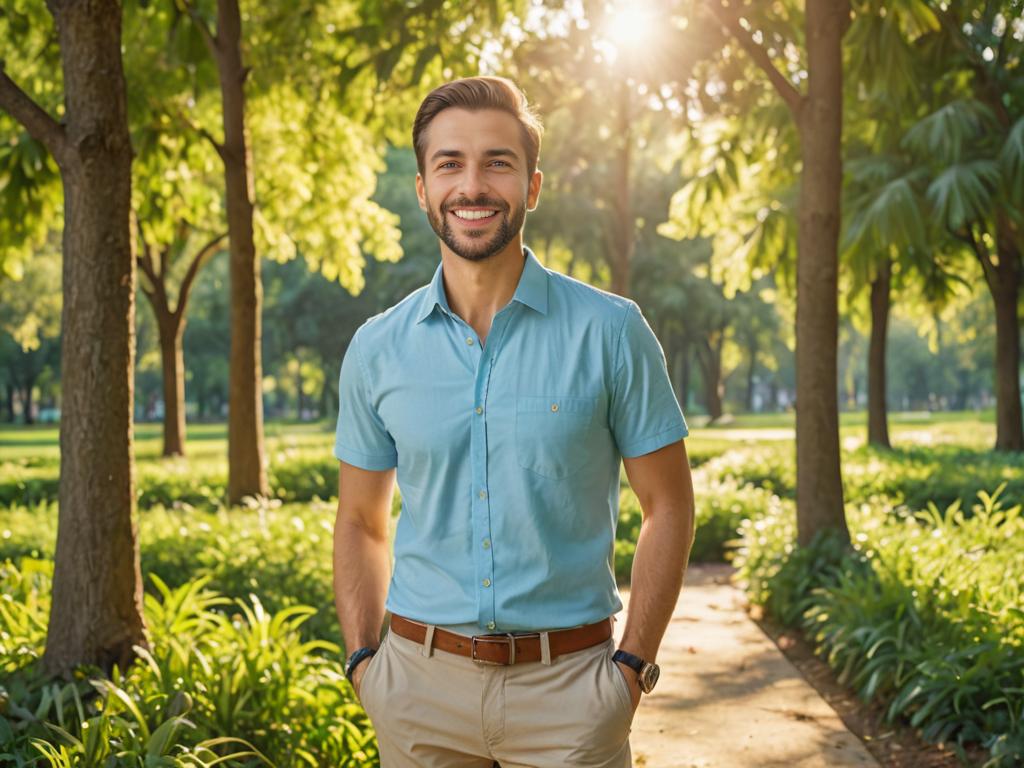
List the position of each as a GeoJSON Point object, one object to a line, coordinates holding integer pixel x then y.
{"type": "Point", "coordinates": [477, 145]}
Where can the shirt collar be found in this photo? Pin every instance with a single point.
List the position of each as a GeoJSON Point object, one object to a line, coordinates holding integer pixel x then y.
{"type": "Point", "coordinates": [531, 291]}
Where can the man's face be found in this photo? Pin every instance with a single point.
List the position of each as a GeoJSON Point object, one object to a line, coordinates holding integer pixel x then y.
{"type": "Point", "coordinates": [474, 186]}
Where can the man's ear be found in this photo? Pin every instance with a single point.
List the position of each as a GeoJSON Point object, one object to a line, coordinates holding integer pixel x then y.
{"type": "Point", "coordinates": [533, 193]}
{"type": "Point", "coordinates": [421, 192]}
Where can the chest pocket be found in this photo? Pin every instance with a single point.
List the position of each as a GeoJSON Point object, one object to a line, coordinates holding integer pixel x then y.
{"type": "Point", "coordinates": [551, 433]}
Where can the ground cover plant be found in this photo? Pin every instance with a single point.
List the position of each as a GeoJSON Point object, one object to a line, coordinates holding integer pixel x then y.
{"type": "Point", "coordinates": [233, 687]}
{"type": "Point", "coordinates": [920, 615]}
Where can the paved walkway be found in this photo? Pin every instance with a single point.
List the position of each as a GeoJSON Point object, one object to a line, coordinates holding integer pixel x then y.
{"type": "Point", "coordinates": [727, 697]}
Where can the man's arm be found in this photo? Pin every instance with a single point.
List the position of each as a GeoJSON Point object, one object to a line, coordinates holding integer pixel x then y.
{"type": "Point", "coordinates": [362, 561]}
{"type": "Point", "coordinates": [662, 482]}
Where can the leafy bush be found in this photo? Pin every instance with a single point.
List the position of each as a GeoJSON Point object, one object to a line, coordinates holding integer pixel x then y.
{"type": "Point", "coordinates": [210, 681]}
{"type": "Point", "coordinates": [919, 614]}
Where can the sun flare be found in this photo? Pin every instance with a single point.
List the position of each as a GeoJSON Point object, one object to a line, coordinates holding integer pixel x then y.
{"type": "Point", "coordinates": [630, 26]}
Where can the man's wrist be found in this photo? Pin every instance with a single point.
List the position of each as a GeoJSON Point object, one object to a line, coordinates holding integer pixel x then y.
{"type": "Point", "coordinates": [358, 657]}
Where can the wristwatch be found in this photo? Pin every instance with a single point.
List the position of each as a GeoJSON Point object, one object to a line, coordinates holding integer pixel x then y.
{"type": "Point", "coordinates": [647, 672]}
{"type": "Point", "coordinates": [355, 658]}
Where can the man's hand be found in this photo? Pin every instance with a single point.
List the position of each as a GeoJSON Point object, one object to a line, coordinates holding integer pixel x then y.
{"type": "Point", "coordinates": [357, 676]}
{"type": "Point", "coordinates": [634, 683]}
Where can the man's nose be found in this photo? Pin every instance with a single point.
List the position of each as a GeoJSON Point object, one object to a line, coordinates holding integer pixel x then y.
{"type": "Point", "coordinates": [473, 182]}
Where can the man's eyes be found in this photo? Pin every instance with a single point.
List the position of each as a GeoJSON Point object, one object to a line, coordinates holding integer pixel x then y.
{"type": "Point", "coordinates": [452, 164]}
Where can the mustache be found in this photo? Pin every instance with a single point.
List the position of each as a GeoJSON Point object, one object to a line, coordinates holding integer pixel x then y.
{"type": "Point", "coordinates": [482, 202]}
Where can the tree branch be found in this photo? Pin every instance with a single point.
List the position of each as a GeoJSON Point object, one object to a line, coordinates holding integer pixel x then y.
{"type": "Point", "coordinates": [212, 44]}
{"type": "Point", "coordinates": [193, 269]}
{"type": "Point", "coordinates": [980, 251]}
{"type": "Point", "coordinates": [190, 123]}
{"type": "Point", "coordinates": [730, 19]}
{"type": "Point", "coordinates": [39, 124]}
{"type": "Point", "coordinates": [145, 262]}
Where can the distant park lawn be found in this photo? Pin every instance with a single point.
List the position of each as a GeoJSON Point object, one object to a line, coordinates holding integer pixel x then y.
{"type": "Point", "coordinates": [969, 429]}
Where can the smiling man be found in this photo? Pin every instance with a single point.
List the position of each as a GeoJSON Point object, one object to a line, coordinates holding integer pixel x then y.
{"type": "Point", "coordinates": [504, 395]}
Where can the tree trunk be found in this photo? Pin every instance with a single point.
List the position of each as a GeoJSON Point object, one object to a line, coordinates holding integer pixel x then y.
{"type": "Point", "coordinates": [750, 373]}
{"type": "Point", "coordinates": [1004, 284]}
{"type": "Point", "coordinates": [819, 485]}
{"type": "Point", "coordinates": [684, 382]}
{"type": "Point", "coordinates": [96, 611]}
{"type": "Point", "coordinates": [172, 328]}
{"type": "Point", "coordinates": [709, 358]}
{"type": "Point", "coordinates": [9, 401]}
{"type": "Point", "coordinates": [623, 226]}
{"type": "Point", "coordinates": [246, 473]}
{"type": "Point", "coordinates": [878, 420]}
{"type": "Point", "coordinates": [30, 383]}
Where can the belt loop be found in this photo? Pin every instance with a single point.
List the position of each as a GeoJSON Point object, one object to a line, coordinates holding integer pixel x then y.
{"type": "Point", "coordinates": [545, 649]}
{"type": "Point", "coordinates": [428, 642]}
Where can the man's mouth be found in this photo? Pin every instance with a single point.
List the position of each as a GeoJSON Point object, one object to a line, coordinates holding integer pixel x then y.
{"type": "Point", "coordinates": [474, 214]}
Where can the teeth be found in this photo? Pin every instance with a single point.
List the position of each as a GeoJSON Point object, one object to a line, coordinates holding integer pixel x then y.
{"type": "Point", "coordinates": [473, 215]}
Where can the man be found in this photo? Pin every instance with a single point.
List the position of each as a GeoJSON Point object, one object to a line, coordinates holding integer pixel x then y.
{"type": "Point", "coordinates": [504, 394]}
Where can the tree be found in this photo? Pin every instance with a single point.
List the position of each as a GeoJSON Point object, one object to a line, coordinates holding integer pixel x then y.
{"type": "Point", "coordinates": [770, 38]}
{"type": "Point", "coordinates": [96, 570]}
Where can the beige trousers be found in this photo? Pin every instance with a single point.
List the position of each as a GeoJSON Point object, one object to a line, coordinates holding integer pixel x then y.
{"type": "Point", "coordinates": [434, 709]}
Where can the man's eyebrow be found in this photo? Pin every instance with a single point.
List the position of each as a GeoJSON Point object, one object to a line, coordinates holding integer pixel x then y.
{"type": "Point", "coordinates": [457, 153]}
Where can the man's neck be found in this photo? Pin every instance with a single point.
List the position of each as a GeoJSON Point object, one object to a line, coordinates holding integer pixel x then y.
{"type": "Point", "coordinates": [476, 290]}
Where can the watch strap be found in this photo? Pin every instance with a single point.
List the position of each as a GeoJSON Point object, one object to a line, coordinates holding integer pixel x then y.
{"type": "Point", "coordinates": [631, 661]}
{"type": "Point", "coordinates": [355, 658]}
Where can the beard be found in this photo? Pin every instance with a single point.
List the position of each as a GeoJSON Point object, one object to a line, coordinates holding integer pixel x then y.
{"type": "Point", "coordinates": [473, 244]}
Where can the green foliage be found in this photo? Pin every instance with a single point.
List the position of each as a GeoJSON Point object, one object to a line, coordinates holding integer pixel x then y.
{"type": "Point", "coordinates": [210, 681]}
{"type": "Point", "coordinates": [919, 615]}
{"type": "Point", "coordinates": [912, 475]}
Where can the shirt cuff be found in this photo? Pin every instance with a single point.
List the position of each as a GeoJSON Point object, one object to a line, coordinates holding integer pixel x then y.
{"type": "Point", "coordinates": [654, 442]}
{"type": "Point", "coordinates": [371, 461]}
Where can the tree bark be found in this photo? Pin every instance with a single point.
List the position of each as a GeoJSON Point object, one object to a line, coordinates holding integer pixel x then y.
{"type": "Point", "coordinates": [96, 611]}
{"type": "Point", "coordinates": [684, 383]}
{"type": "Point", "coordinates": [878, 420]}
{"type": "Point", "coordinates": [173, 361]}
{"type": "Point", "coordinates": [1004, 282]}
{"type": "Point", "coordinates": [623, 226]}
{"type": "Point", "coordinates": [709, 357]}
{"type": "Point", "coordinates": [9, 401]}
{"type": "Point", "coordinates": [30, 383]}
{"type": "Point", "coordinates": [246, 472]}
{"type": "Point", "coordinates": [752, 350]}
{"type": "Point", "coordinates": [819, 484]}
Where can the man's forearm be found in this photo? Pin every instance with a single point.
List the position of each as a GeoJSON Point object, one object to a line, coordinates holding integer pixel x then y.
{"type": "Point", "coordinates": [662, 552]}
{"type": "Point", "coordinates": [362, 569]}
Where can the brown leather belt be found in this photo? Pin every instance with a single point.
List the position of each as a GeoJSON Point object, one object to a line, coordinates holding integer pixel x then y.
{"type": "Point", "coordinates": [505, 648]}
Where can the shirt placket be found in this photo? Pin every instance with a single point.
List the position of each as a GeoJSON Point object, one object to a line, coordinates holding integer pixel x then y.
{"type": "Point", "coordinates": [481, 514]}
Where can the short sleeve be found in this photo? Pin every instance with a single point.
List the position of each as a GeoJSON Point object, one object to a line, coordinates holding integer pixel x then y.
{"type": "Point", "coordinates": [360, 438]}
{"type": "Point", "coordinates": [644, 414]}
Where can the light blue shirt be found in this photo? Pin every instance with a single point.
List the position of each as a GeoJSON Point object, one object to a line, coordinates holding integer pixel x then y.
{"type": "Point", "coordinates": [508, 453]}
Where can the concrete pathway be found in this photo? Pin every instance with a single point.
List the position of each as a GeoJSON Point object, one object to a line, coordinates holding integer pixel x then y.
{"type": "Point", "coordinates": [727, 697]}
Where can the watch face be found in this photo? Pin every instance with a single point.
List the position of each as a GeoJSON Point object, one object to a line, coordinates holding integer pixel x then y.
{"type": "Point", "coordinates": [648, 677]}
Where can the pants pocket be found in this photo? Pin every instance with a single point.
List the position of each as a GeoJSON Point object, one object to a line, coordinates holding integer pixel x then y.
{"type": "Point", "coordinates": [366, 684]}
{"type": "Point", "coordinates": [621, 685]}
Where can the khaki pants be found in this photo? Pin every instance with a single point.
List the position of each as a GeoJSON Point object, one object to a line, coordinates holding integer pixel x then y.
{"type": "Point", "coordinates": [434, 709]}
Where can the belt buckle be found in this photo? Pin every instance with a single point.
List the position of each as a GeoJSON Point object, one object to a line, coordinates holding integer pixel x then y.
{"type": "Point", "coordinates": [507, 637]}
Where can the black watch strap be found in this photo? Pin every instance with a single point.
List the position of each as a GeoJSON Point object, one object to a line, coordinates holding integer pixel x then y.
{"type": "Point", "coordinates": [631, 661]}
{"type": "Point", "coordinates": [355, 658]}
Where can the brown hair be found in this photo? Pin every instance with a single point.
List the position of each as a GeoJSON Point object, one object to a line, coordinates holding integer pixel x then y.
{"type": "Point", "coordinates": [476, 93]}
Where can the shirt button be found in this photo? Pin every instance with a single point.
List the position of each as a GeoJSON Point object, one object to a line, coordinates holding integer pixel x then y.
{"type": "Point", "coordinates": [554, 406]}
{"type": "Point", "coordinates": [487, 543]}
{"type": "Point", "coordinates": [479, 409]}
{"type": "Point", "coordinates": [490, 625]}
{"type": "Point", "coordinates": [469, 340]}
{"type": "Point", "coordinates": [487, 582]}
{"type": "Point", "coordinates": [483, 494]}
